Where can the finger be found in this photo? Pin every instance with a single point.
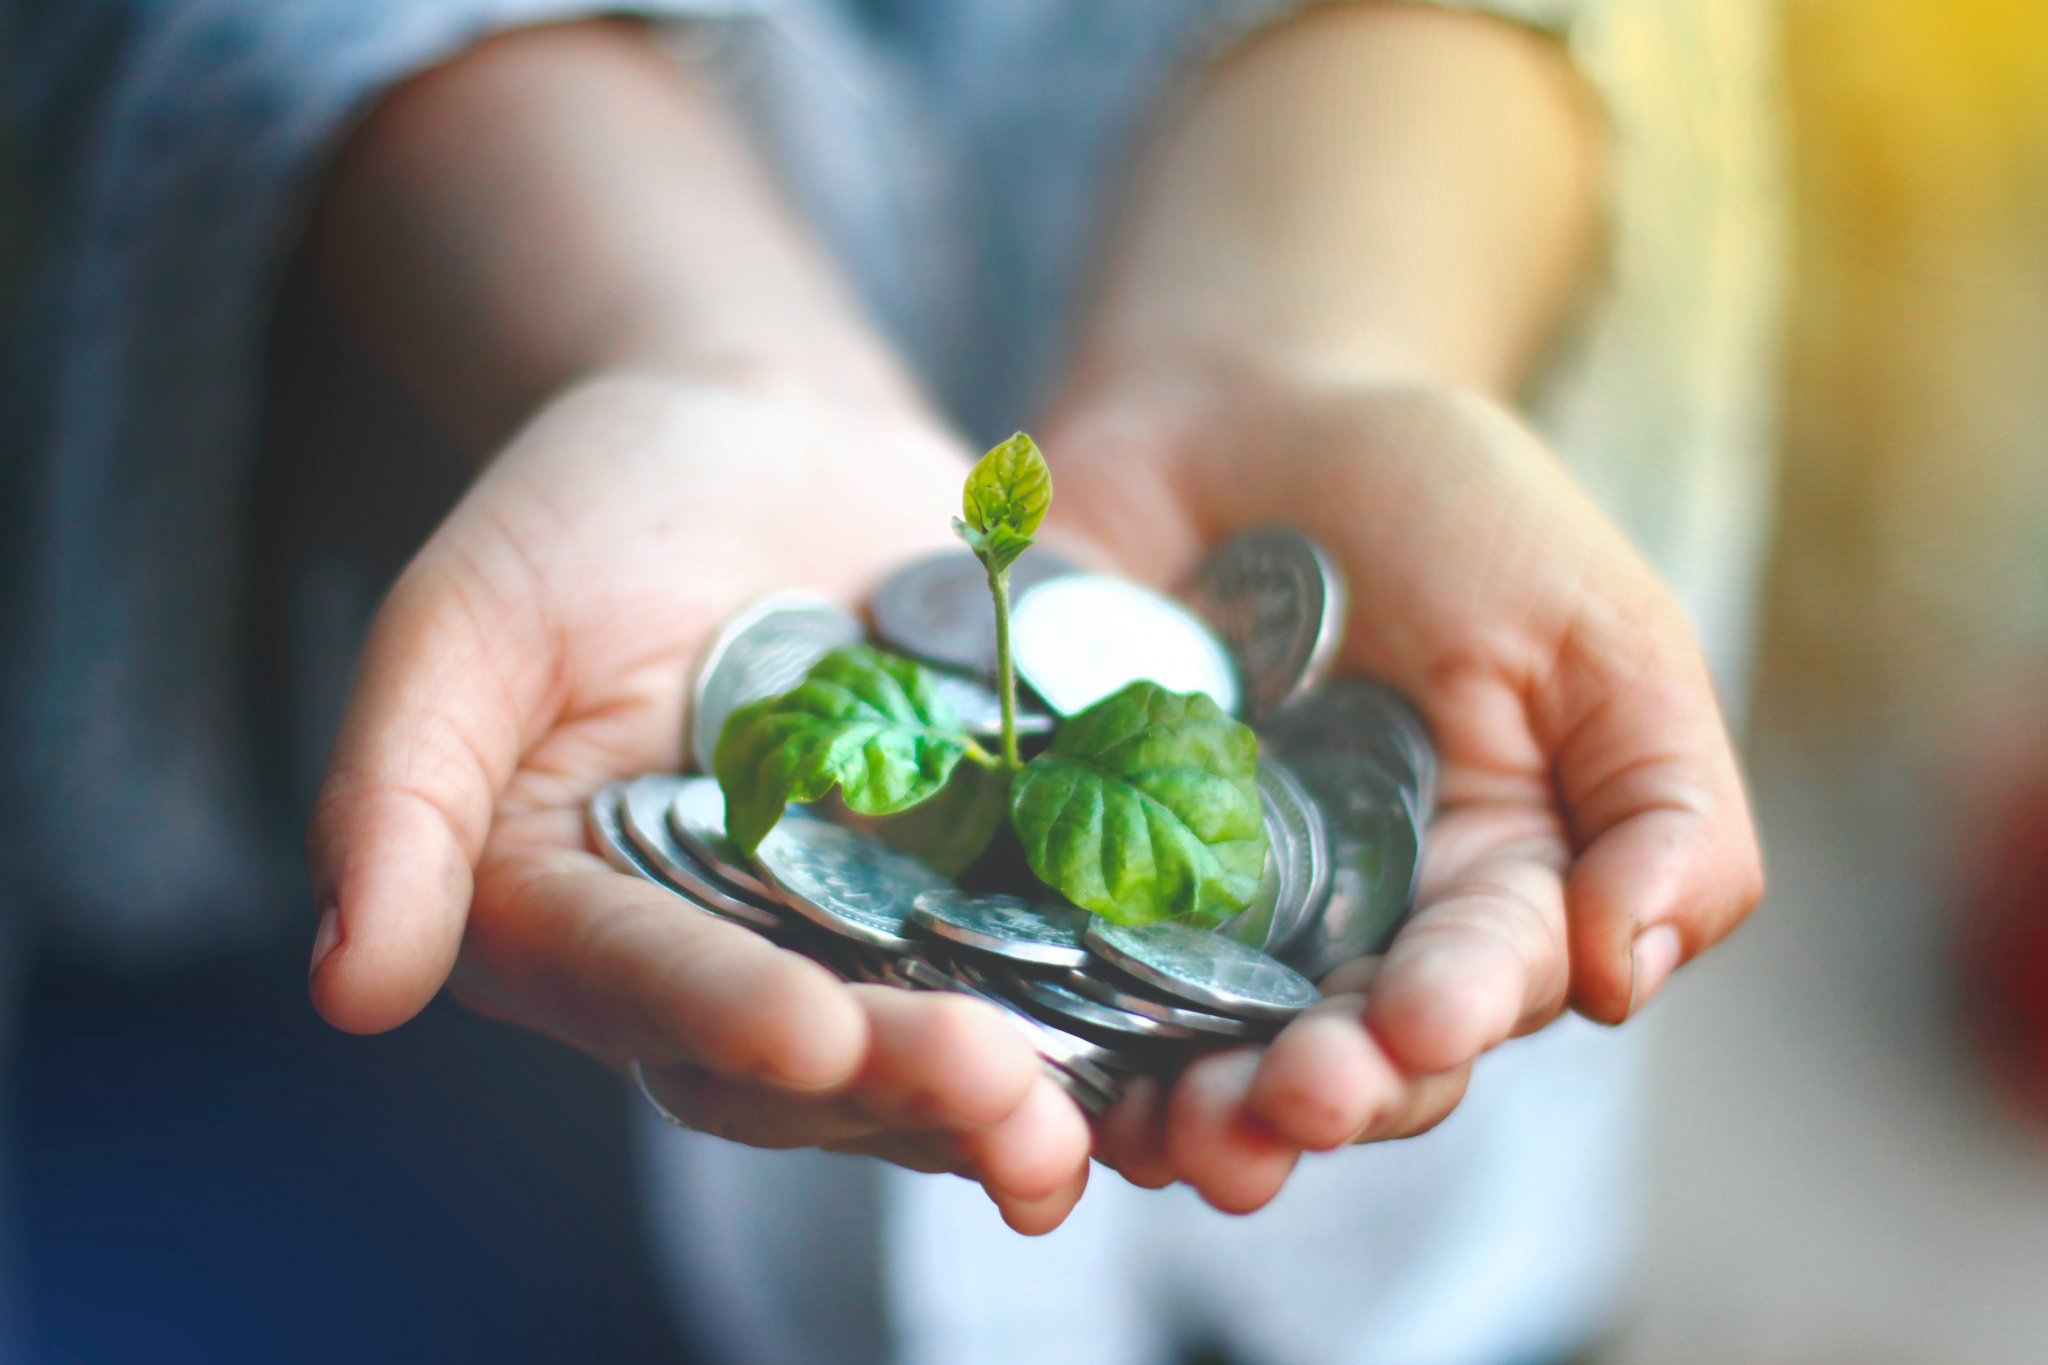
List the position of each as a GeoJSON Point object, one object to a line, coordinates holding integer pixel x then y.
{"type": "Point", "coordinates": [1215, 1144]}
{"type": "Point", "coordinates": [939, 1060]}
{"type": "Point", "coordinates": [762, 1116]}
{"type": "Point", "coordinates": [1032, 1155]}
{"type": "Point", "coordinates": [1036, 1217]}
{"type": "Point", "coordinates": [1648, 776]}
{"type": "Point", "coordinates": [1354, 977]}
{"type": "Point", "coordinates": [928, 1153]}
{"type": "Point", "coordinates": [1131, 1137]}
{"type": "Point", "coordinates": [628, 971]}
{"type": "Point", "coordinates": [757, 1115]}
{"type": "Point", "coordinates": [1486, 959]}
{"type": "Point", "coordinates": [1424, 1102]}
{"type": "Point", "coordinates": [432, 734]}
{"type": "Point", "coordinates": [934, 1062]}
{"type": "Point", "coordinates": [1325, 1079]}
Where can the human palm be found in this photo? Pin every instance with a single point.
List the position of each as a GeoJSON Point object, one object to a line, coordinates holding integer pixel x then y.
{"type": "Point", "coordinates": [538, 647]}
{"type": "Point", "coordinates": [1593, 830]}
{"type": "Point", "coordinates": [540, 644]}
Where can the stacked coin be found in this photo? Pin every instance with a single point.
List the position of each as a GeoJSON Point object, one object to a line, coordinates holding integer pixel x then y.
{"type": "Point", "coordinates": [1346, 779]}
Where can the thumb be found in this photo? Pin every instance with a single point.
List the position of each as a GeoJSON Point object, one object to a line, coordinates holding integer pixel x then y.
{"type": "Point", "coordinates": [433, 732]}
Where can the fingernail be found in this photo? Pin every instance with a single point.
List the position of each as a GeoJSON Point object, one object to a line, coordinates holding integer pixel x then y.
{"type": "Point", "coordinates": [324, 941]}
{"type": "Point", "coordinates": [1656, 953]}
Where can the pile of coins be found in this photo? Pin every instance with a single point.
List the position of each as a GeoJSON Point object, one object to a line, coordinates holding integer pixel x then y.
{"type": "Point", "coordinates": [1346, 777]}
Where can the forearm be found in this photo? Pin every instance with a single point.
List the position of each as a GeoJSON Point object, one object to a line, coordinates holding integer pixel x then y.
{"type": "Point", "coordinates": [1369, 191]}
{"type": "Point", "coordinates": [565, 200]}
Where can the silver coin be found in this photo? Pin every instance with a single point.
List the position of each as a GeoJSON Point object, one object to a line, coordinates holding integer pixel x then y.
{"type": "Point", "coordinates": [697, 818]}
{"type": "Point", "coordinates": [1278, 600]}
{"type": "Point", "coordinates": [926, 975]}
{"type": "Point", "coordinates": [938, 608]}
{"type": "Point", "coordinates": [911, 972]}
{"type": "Point", "coordinates": [1056, 999]}
{"type": "Point", "coordinates": [762, 651]}
{"type": "Point", "coordinates": [949, 831]}
{"type": "Point", "coordinates": [606, 829]}
{"type": "Point", "coordinates": [1080, 638]}
{"type": "Point", "coordinates": [1360, 752]}
{"type": "Point", "coordinates": [1122, 998]}
{"type": "Point", "coordinates": [981, 710]}
{"type": "Point", "coordinates": [1043, 932]}
{"type": "Point", "coordinates": [861, 964]}
{"type": "Point", "coordinates": [1296, 878]}
{"type": "Point", "coordinates": [1203, 968]}
{"type": "Point", "coordinates": [1253, 925]}
{"type": "Point", "coordinates": [1091, 1062]}
{"type": "Point", "coordinates": [1301, 851]}
{"type": "Point", "coordinates": [1068, 1049]}
{"type": "Point", "coordinates": [1084, 1092]}
{"type": "Point", "coordinates": [643, 812]}
{"type": "Point", "coordinates": [1364, 719]}
{"type": "Point", "coordinates": [857, 962]}
{"type": "Point", "coordinates": [605, 823]}
{"type": "Point", "coordinates": [844, 881]}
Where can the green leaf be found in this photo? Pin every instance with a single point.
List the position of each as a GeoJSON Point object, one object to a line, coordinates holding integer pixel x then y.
{"type": "Point", "coordinates": [976, 541]}
{"type": "Point", "coordinates": [1146, 807]}
{"type": "Point", "coordinates": [951, 830]}
{"type": "Point", "coordinates": [1005, 500]}
{"type": "Point", "coordinates": [868, 723]}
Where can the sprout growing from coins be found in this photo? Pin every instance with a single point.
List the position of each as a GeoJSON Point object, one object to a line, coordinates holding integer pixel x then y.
{"type": "Point", "coordinates": [912, 871]}
{"type": "Point", "coordinates": [1144, 807]}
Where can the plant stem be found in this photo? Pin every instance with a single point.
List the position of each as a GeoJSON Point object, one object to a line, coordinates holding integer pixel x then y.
{"type": "Point", "coordinates": [1006, 667]}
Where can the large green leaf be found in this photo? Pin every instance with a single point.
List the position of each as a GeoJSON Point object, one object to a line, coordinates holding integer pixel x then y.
{"type": "Point", "coordinates": [953, 828]}
{"type": "Point", "coordinates": [868, 723]}
{"type": "Point", "coordinates": [1007, 493]}
{"type": "Point", "coordinates": [1146, 807]}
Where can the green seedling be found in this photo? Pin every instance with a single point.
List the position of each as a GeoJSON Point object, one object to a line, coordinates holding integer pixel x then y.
{"type": "Point", "coordinates": [1144, 807]}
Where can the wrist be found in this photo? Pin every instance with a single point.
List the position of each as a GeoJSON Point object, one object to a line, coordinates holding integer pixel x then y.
{"type": "Point", "coordinates": [564, 202]}
{"type": "Point", "coordinates": [1371, 193]}
{"type": "Point", "coordinates": [705, 405]}
{"type": "Point", "coordinates": [1216, 440]}
{"type": "Point", "coordinates": [812, 357]}
{"type": "Point", "coordinates": [1124, 436]}
{"type": "Point", "coordinates": [1192, 392]}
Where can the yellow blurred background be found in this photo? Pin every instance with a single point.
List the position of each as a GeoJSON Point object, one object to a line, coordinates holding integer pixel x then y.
{"type": "Point", "coordinates": [1913, 554]}
{"type": "Point", "coordinates": [1836, 1176]}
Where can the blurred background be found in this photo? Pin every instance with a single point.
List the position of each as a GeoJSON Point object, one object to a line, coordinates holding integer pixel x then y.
{"type": "Point", "coordinates": [1849, 1158]}
{"type": "Point", "coordinates": [1849, 1117]}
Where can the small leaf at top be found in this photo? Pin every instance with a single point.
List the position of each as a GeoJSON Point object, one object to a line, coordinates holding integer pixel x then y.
{"type": "Point", "coordinates": [1146, 807]}
{"type": "Point", "coordinates": [869, 723]}
{"type": "Point", "coordinates": [1005, 500]}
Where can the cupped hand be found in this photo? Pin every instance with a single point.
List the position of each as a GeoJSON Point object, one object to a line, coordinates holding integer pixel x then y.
{"type": "Point", "coordinates": [1593, 832]}
{"type": "Point", "coordinates": [540, 645]}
